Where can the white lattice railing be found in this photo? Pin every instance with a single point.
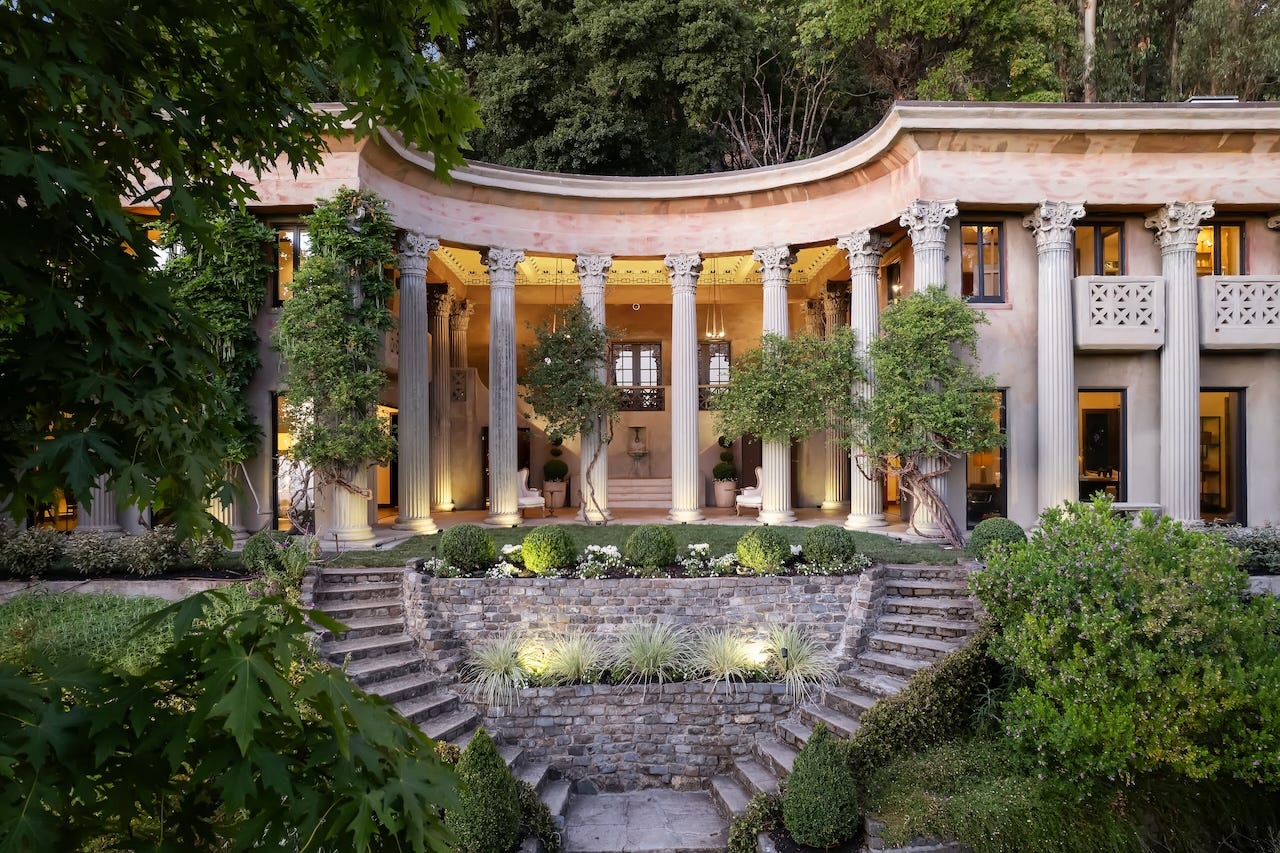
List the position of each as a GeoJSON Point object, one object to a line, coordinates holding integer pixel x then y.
{"type": "Point", "coordinates": [1240, 312]}
{"type": "Point", "coordinates": [1119, 312]}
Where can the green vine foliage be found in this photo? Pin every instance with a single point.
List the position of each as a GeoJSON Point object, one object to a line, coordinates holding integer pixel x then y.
{"type": "Point", "coordinates": [788, 388]}
{"type": "Point", "coordinates": [329, 334]}
{"type": "Point", "coordinates": [218, 270]}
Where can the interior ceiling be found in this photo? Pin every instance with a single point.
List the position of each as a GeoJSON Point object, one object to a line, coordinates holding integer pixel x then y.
{"type": "Point", "coordinates": [630, 279]}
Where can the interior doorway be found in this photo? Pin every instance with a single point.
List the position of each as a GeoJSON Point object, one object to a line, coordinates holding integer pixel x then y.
{"type": "Point", "coordinates": [1222, 493]}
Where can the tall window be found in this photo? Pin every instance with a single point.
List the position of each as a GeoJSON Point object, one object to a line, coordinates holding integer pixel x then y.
{"type": "Point", "coordinates": [981, 263]}
{"type": "Point", "coordinates": [293, 243]}
{"type": "Point", "coordinates": [1220, 249]}
{"type": "Point", "coordinates": [1100, 248]}
{"type": "Point", "coordinates": [1102, 444]}
{"type": "Point", "coordinates": [713, 370]}
{"type": "Point", "coordinates": [986, 492]}
{"type": "Point", "coordinates": [637, 371]}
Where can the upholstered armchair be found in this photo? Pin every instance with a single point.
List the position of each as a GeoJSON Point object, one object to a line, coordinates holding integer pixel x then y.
{"type": "Point", "coordinates": [527, 498]}
{"type": "Point", "coordinates": [752, 496]}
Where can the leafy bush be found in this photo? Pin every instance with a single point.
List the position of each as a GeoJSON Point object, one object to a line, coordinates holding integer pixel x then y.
{"type": "Point", "coordinates": [496, 672]}
{"type": "Point", "coordinates": [205, 551]}
{"type": "Point", "coordinates": [548, 550]}
{"type": "Point", "coordinates": [33, 551]}
{"type": "Point", "coordinates": [820, 806]}
{"type": "Point", "coordinates": [725, 472]}
{"type": "Point", "coordinates": [764, 550]}
{"type": "Point", "coordinates": [1261, 547]}
{"type": "Point", "coordinates": [723, 656]}
{"type": "Point", "coordinates": [573, 658]}
{"type": "Point", "coordinates": [827, 545]}
{"type": "Point", "coordinates": [762, 814]}
{"type": "Point", "coordinates": [261, 551]}
{"type": "Point", "coordinates": [1139, 649]}
{"type": "Point", "coordinates": [645, 652]}
{"type": "Point", "coordinates": [650, 546]}
{"type": "Point", "coordinates": [536, 820]}
{"type": "Point", "coordinates": [487, 819]}
{"type": "Point", "coordinates": [468, 548]}
{"type": "Point", "coordinates": [294, 559]}
{"type": "Point", "coordinates": [555, 470]}
{"type": "Point", "coordinates": [989, 531]}
{"type": "Point", "coordinates": [798, 661]}
{"type": "Point", "coordinates": [92, 552]}
{"type": "Point", "coordinates": [152, 552]}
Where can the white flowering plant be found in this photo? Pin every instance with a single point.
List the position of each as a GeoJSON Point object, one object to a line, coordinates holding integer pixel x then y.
{"type": "Point", "coordinates": [852, 565]}
{"type": "Point", "coordinates": [697, 562]}
{"type": "Point", "coordinates": [599, 560]}
{"type": "Point", "coordinates": [502, 569]}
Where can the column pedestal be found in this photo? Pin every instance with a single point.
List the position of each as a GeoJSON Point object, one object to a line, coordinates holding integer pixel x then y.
{"type": "Point", "coordinates": [347, 512]}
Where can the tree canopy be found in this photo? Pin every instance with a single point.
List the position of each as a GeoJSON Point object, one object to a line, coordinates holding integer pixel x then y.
{"type": "Point", "coordinates": [107, 104]}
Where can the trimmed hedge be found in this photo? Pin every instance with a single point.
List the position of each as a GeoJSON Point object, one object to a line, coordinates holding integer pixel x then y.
{"type": "Point", "coordinates": [989, 531]}
{"type": "Point", "coordinates": [651, 546]}
{"type": "Point", "coordinates": [763, 550]}
{"type": "Point", "coordinates": [548, 549]}
{"type": "Point", "coordinates": [819, 805]}
{"type": "Point", "coordinates": [468, 548]}
{"type": "Point", "coordinates": [488, 819]}
{"type": "Point", "coordinates": [827, 545]}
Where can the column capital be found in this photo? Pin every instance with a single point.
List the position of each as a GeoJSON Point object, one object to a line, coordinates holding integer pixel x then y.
{"type": "Point", "coordinates": [927, 220]}
{"type": "Point", "coordinates": [1177, 224]}
{"type": "Point", "coordinates": [415, 248]}
{"type": "Point", "coordinates": [864, 248]}
{"type": "Point", "coordinates": [775, 264]}
{"type": "Point", "coordinates": [835, 305]}
{"type": "Point", "coordinates": [684, 270]}
{"type": "Point", "coordinates": [440, 300]}
{"type": "Point", "coordinates": [814, 317]}
{"type": "Point", "coordinates": [502, 265]}
{"type": "Point", "coordinates": [1052, 224]}
{"type": "Point", "coordinates": [460, 314]}
{"type": "Point", "coordinates": [1274, 221]}
{"type": "Point", "coordinates": [592, 270]}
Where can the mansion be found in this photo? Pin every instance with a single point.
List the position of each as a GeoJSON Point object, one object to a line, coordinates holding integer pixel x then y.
{"type": "Point", "coordinates": [1126, 258]}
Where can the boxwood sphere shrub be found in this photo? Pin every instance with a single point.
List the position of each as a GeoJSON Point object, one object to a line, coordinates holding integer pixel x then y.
{"type": "Point", "coordinates": [548, 549]}
{"type": "Point", "coordinates": [555, 470]}
{"type": "Point", "coordinates": [651, 546]}
{"type": "Point", "coordinates": [826, 545]}
{"type": "Point", "coordinates": [467, 548]}
{"type": "Point", "coordinates": [488, 817]}
{"type": "Point", "coordinates": [763, 550]}
{"type": "Point", "coordinates": [992, 530]}
{"type": "Point", "coordinates": [724, 472]}
{"type": "Point", "coordinates": [819, 806]}
{"type": "Point", "coordinates": [261, 551]}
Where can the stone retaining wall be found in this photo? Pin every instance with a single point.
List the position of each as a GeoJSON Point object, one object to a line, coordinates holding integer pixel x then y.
{"type": "Point", "coordinates": [624, 738]}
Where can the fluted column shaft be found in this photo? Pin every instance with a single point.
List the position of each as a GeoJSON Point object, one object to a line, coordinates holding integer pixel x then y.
{"type": "Point", "coordinates": [835, 307]}
{"type": "Point", "coordinates": [459, 322]}
{"type": "Point", "coordinates": [441, 384]}
{"type": "Point", "coordinates": [775, 272]}
{"type": "Point", "coordinates": [865, 249]}
{"type": "Point", "coordinates": [104, 515]}
{"type": "Point", "coordinates": [1057, 451]}
{"type": "Point", "coordinates": [414, 431]}
{"type": "Point", "coordinates": [927, 223]}
{"type": "Point", "coordinates": [504, 506]}
{"type": "Point", "coordinates": [686, 482]}
{"type": "Point", "coordinates": [592, 270]}
{"type": "Point", "coordinates": [346, 512]}
{"type": "Point", "coordinates": [1176, 226]}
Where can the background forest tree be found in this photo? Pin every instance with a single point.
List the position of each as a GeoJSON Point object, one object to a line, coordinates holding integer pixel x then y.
{"type": "Point", "coordinates": [652, 87]}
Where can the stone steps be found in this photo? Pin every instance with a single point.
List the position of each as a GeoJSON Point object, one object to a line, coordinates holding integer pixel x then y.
{"type": "Point", "coordinates": [638, 493]}
{"type": "Point", "coordinates": [926, 588]}
{"type": "Point", "coordinates": [935, 608]}
{"type": "Point", "coordinates": [913, 646]}
{"type": "Point", "coordinates": [874, 682]}
{"type": "Point", "coordinates": [330, 576]}
{"type": "Point", "coordinates": [755, 776]}
{"type": "Point", "coordinates": [899, 571]}
{"type": "Point", "coordinates": [839, 725]}
{"type": "Point", "coordinates": [849, 702]}
{"type": "Point", "coordinates": [448, 726]}
{"type": "Point", "coordinates": [794, 733]}
{"type": "Point", "coordinates": [925, 626]}
{"type": "Point", "coordinates": [730, 795]}
{"type": "Point", "coordinates": [366, 626]}
{"type": "Point", "coordinates": [893, 664]}
{"type": "Point", "coordinates": [326, 594]}
{"type": "Point", "coordinates": [367, 671]}
{"type": "Point", "coordinates": [347, 611]}
{"type": "Point", "coordinates": [405, 688]}
{"type": "Point", "coordinates": [776, 755]}
{"type": "Point", "coordinates": [421, 708]}
{"type": "Point", "coordinates": [361, 648]}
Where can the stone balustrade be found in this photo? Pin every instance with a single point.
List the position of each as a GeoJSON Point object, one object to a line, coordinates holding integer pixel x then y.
{"type": "Point", "coordinates": [1240, 312]}
{"type": "Point", "coordinates": [1119, 312]}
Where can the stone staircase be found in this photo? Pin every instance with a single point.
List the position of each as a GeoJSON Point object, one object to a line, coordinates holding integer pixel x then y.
{"type": "Point", "coordinates": [380, 656]}
{"type": "Point", "coordinates": [637, 493]}
{"type": "Point", "coordinates": [925, 613]}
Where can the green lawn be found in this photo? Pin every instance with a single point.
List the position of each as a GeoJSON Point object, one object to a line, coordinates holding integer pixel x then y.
{"type": "Point", "coordinates": [721, 537]}
{"type": "Point", "coordinates": [56, 627]}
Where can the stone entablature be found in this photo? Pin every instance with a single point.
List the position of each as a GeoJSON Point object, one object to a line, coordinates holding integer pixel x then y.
{"type": "Point", "coordinates": [1240, 312]}
{"type": "Point", "coordinates": [1119, 312]}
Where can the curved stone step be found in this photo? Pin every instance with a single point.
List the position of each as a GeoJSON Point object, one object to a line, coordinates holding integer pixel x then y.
{"type": "Point", "coordinates": [906, 571]}
{"type": "Point", "coordinates": [333, 576]}
{"type": "Point", "coordinates": [400, 689]}
{"type": "Point", "coordinates": [851, 703]}
{"type": "Point", "coordinates": [913, 646]}
{"type": "Point", "coordinates": [366, 626]}
{"type": "Point", "coordinates": [775, 754]}
{"type": "Point", "coordinates": [367, 671]}
{"type": "Point", "coordinates": [449, 726]}
{"type": "Point", "coordinates": [326, 595]}
{"type": "Point", "coordinates": [937, 608]}
{"type": "Point", "coordinates": [794, 732]}
{"type": "Point", "coordinates": [730, 795]}
{"type": "Point", "coordinates": [874, 682]}
{"type": "Point", "coordinates": [368, 647]}
{"type": "Point", "coordinates": [926, 588]}
{"type": "Point", "coordinates": [927, 626]}
{"type": "Point", "coordinates": [839, 725]}
{"type": "Point", "coordinates": [346, 611]}
{"type": "Point", "coordinates": [896, 665]}
{"type": "Point", "coordinates": [421, 708]}
{"type": "Point", "coordinates": [755, 776]}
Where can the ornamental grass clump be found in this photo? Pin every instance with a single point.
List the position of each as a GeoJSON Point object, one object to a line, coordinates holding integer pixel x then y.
{"type": "Point", "coordinates": [764, 550]}
{"type": "Point", "coordinates": [548, 550]}
{"type": "Point", "coordinates": [724, 656]}
{"type": "Point", "coordinates": [496, 672]}
{"type": "Point", "coordinates": [650, 547]}
{"type": "Point", "coordinates": [487, 820]}
{"type": "Point", "coordinates": [819, 805]}
{"type": "Point", "coordinates": [650, 652]}
{"type": "Point", "coordinates": [573, 658]}
{"type": "Point", "coordinates": [468, 548]}
{"type": "Point", "coordinates": [798, 661]}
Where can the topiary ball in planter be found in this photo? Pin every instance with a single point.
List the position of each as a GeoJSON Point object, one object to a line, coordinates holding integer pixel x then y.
{"type": "Point", "coordinates": [650, 547]}
{"type": "Point", "coordinates": [468, 548]}
{"type": "Point", "coordinates": [763, 550]}
{"type": "Point", "coordinates": [548, 550]}
{"type": "Point", "coordinates": [725, 472]}
{"type": "Point", "coordinates": [726, 455]}
{"type": "Point", "coordinates": [819, 806]}
{"type": "Point", "coordinates": [554, 470]}
{"type": "Point", "coordinates": [989, 531]}
{"type": "Point", "coordinates": [827, 545]}
{"type": "Point", "coordinates": [488, 817]}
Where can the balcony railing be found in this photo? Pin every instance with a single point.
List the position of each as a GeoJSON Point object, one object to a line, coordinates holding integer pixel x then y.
{"type": "Point", "coordinates": [642, 398]}
{"type": "Point", "coordinates": [1240, 312]}
{"type": "Point", "coordinates": [1119, 312]}
{"type": "Point", "coordinates": [707, 393]}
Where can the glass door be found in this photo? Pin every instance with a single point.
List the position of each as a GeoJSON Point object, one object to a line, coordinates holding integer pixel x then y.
{"type": "Point", "coordinates": [1221, 456]}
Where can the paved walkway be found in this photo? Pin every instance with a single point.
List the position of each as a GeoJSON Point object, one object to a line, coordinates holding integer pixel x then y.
{"type": "Point", "coordinates": [653, 820]}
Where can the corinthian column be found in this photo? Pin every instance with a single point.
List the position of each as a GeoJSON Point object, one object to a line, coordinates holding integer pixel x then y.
{"type": "Point", "coordinates": [414, 433]}
{"type": "Point", "coordinates": [865, 249]}
{"type": "Point", "coordinates": [835, 310]}
{"type": "Point", "coordinates": [1176, 225]}
{"type": "Point", "coordinates": [504, 509]}
{"type": "Point", "coordinates": [1059, 437]}
{"type": "Point", "coordinates": [686, 482]}
{"type": "Point", "coordinates": [104, 515]}
{"type": "Point", "coordinates": [927, 223]}
{"type": "Point", "coordinates": [441, 386]}
{"type": "Point", "coordinates": [592, 270]}
{"type": "Point", "coordinates": [775, 271]}
{"type": "Point", "coordinates": [459, 322]}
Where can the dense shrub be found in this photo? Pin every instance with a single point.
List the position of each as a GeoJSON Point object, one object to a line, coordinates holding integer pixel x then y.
{"type": "Point", "coordinates": [828, 545]}
{"type": "Point", "coordinates": [554, 471]}
{"type": "Point", "coordinates": [548, 550]}
{"type": "Point", "coordinates": [205, 551]}
{"type": "Point", "coordinates": [762, 814]}
{"type": "Point", "coordinates": [152, 552]}
{"type": "Point", "coordinates": [1261, 547]}
{"type": "Point", "coordinates": [92, 552]}
{"type": "Point", "coordinates": [725, 472]}
{"type": "Point", "coordinates": [820, 805]}
{"type": "Point", "coordinates": [536, 820]}
{"type": "Point", "coordinates": [468, 548]}
{"type": "Point", "coordinates": [33, 551]}
{"type": "Point", "coordinates": [651, 546]}
{"type": "Point", "coordinates": [1138, 647]}
{"type": "Point", "coordinates": [764, 550]}
{"type": "Point", "coordinates": [261, 551]}
{"type": "Point", "coordinates": [487, 819]}
{"type": "Point", "coordinates": [989, 531]}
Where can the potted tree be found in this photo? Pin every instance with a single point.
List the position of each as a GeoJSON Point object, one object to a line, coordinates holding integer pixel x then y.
{"type": "Point", "coordinates": [725, 475]}
{"type": "Point", "coordinates": [554, 475]}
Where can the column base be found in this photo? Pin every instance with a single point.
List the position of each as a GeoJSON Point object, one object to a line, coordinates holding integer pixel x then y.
{"type": "Point", "coordinates": [349, 534]}
{"type": "Point", "coordinates": [449, 506]}
{"type": "Point", "coordinates": [833, 506]}
{"type": "Point", "coordinates": [504, 519]}
{"type": "Point", "coordinates": [425, 526]}
{"type": "Point", "coordinates": [860, 521]}
{"type": "Point", "coordinates": [109, 530]}
{"type": "Point", "coordinates": [684, 516]}
{"type": "Point", "coordinates": [777, 516]}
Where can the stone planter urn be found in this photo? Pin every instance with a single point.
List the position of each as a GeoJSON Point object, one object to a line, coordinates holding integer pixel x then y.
{"type": "Point", "coordinates": [725, 492]}
{"type": "Point", "coordinates": [554, 492]}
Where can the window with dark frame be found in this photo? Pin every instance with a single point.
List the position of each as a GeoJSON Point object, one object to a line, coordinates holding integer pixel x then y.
{"type": "Point", "coordinates": [292, 244]}
{"type": "Point", "coordinates": [1099, 248]}
{"type": "Point", "coordinates": [713, 370]}
{"type": "Point", "coordinates": [1220, 249]}
{"type": "Point", "coordinates": [636, 370]}
{"type": "Point", "coordinates": [982, 262]}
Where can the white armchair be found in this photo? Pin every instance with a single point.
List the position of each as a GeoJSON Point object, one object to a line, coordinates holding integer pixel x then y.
{"type": "Point", "coordinates": [751, 497]}
{"type": "Point", "coordinates": [527, 498]}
